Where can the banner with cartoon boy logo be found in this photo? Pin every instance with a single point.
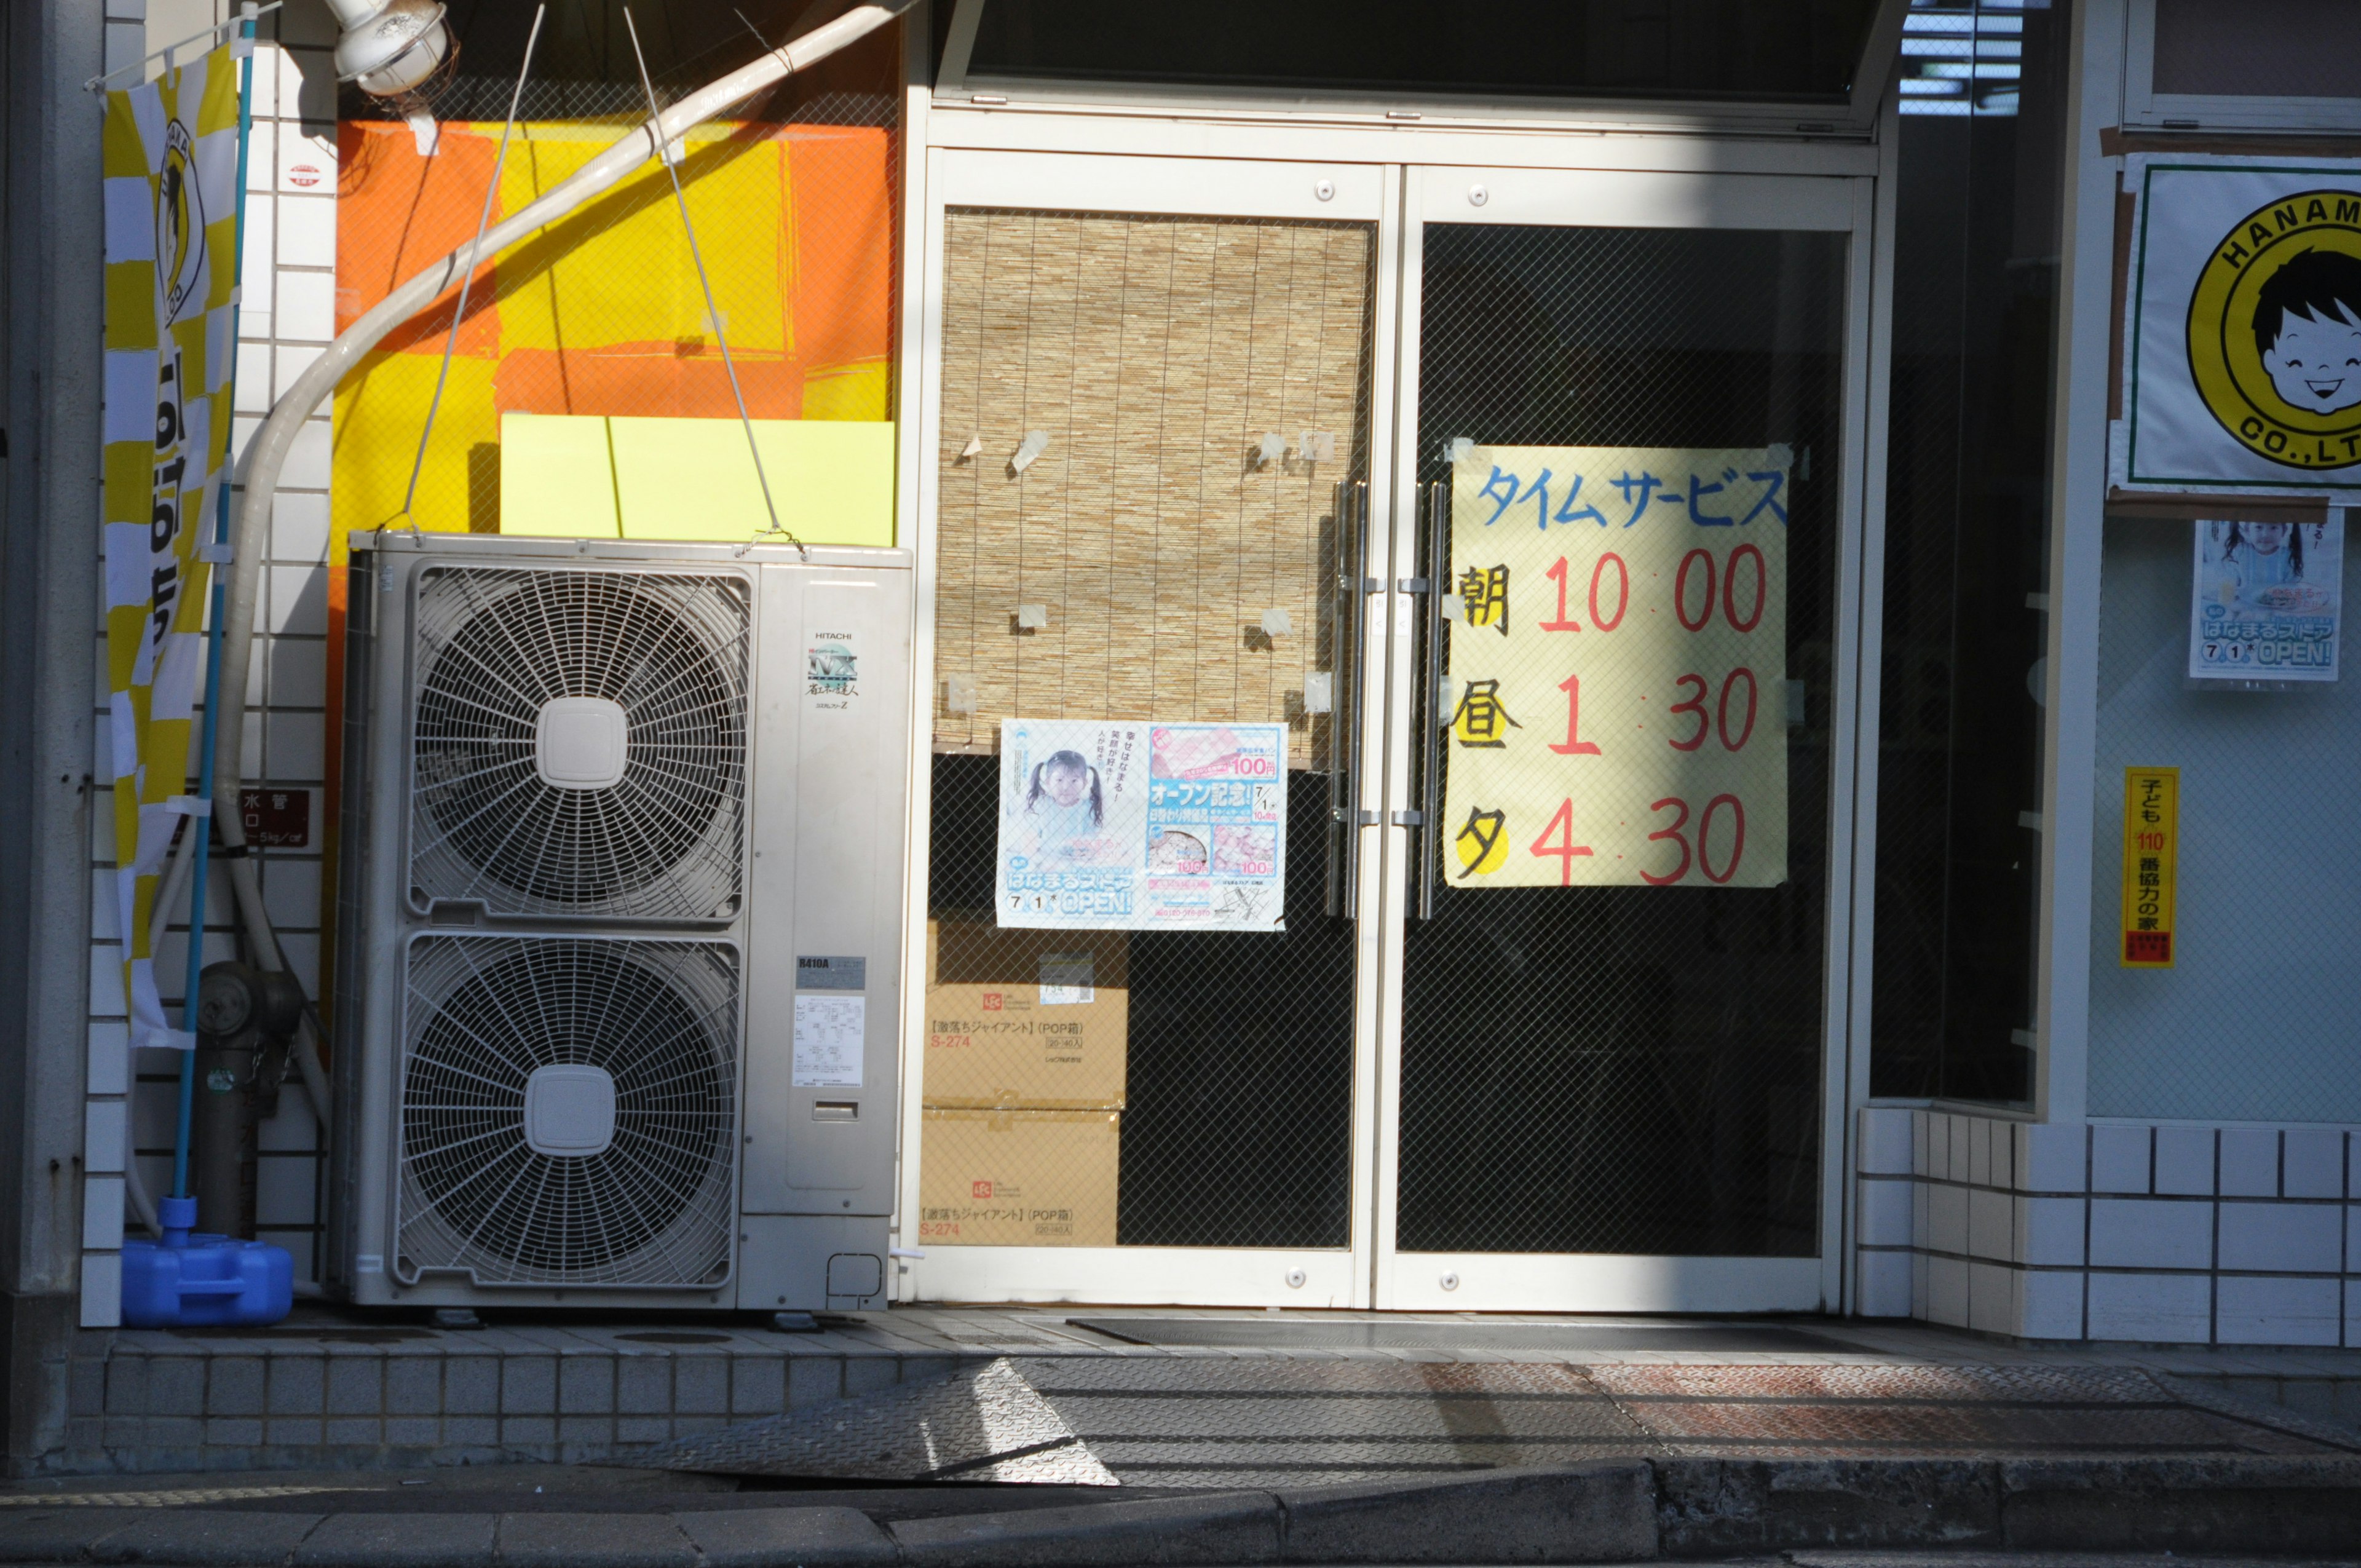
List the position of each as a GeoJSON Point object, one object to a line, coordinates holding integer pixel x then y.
{"type": "Point", "coordinates": [171, 163]}
{"type": "Point", "coordinates": [2243, 338]}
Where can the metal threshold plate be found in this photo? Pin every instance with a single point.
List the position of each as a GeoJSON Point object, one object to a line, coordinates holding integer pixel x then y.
{"type": "Point", "coordinates": [1459, 1334]}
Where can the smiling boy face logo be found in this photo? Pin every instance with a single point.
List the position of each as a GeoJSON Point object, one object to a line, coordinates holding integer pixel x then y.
{"type": "Point", "coordinates": [2275, 330]}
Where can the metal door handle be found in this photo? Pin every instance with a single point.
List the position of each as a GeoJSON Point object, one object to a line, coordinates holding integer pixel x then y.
{"type": "Point", "coordinates": [1428, 710]}
{"type": "Point", "coordinates": [1347, 634]}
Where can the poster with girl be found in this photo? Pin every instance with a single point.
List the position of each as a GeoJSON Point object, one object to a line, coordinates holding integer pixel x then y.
{"type": "Point", "coordinates": [1142, 825]}
{"type": "Point", "coordinates": [2268, 601]}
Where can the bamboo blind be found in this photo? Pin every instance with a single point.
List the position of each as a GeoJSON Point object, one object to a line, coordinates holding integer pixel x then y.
{"type": "Point", "coordinates": [1155, 354]}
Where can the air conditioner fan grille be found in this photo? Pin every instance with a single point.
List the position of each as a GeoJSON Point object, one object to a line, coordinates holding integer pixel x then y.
{"type": "Point", "coordinates": [654, 1206]}
{"type": "Point", "coordinates": [496, 649]}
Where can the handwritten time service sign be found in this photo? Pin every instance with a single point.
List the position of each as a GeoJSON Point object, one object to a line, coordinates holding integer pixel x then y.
{"type": "Point", "coordinates": [1618, 668]}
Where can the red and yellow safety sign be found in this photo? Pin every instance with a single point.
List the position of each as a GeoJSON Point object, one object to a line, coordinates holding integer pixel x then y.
{"type": "Point", "coordinates": [2151, 847]}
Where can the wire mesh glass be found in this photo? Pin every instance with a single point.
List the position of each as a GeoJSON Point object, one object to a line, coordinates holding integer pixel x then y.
{"type": "Point", "coordinates": [652, 1028]}
{"type": "Point", "coordinates": [1634, 1068]}
{"type": "Point", "coordinates": [650, 668]}
{"type": "Point", "coordinates": [2253, 1022]}
{"type": "Point", "coordinates": [1145, 421]}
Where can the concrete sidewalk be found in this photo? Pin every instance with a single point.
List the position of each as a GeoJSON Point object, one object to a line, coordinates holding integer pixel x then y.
{"type": "Point", "coordinates": [1036, 1439]}
{"type": "Point", "coordinates": [339, 1390]}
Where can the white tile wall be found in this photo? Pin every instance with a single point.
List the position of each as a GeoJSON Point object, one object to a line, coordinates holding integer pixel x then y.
{"type": "Point", "coordinates": [2051, 1157]}
{"type": "Point", "coordinates": [2121, 1158]}
{"type": "Point", "coordinates": [1992, 1298]}
{"type": "Point", "coordinates": [101, 1283]}
{"type": "Point", "coordinates": [1885, 1288]}
{"type": "Point", "coordinates": [110, 1057]}
{"type": "Point", "coordinates": [2155, 1254]}
{"type": "Point", "coordinates": [102, 1212]}
{"type": "Point", "coordinates": [2184, 1161]}
{"type": "Point", "coordinates": [2150, 1232]}
{"type": "Point", "coordinates": [2313, 1162]}
{"type": "Point", "coordinates": [2049, 1303]}
{"type": "Point", "coordinates": [1886, 1141]}
{"type": "Point", "coordinates": [1946, 1291]}
{"type": "Point", "coordinates": [2250, 1162]}
{"type": "Point", "coordinates": [1946, 1219]}
{"type": "Point", "coordinates": [2288, 1238]}
{"type": "Point", "coordinates": [103, 1134]}
{"type": "Point", "coordinates": [1885, 1212]}
{"type": "Point", "coordinates": [2049, 1232]}
{"type": "Point", "coordinates": [2251, 1310]}
{"type": "Point", "coordinates": [1991, 1225]}
{"type": "Point", "coordinates": [2174, 1308]}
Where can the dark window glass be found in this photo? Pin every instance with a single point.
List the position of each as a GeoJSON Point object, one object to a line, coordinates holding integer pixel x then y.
{"type": "Point", "coordinates": [1630, 1069]}
{"type": "Point", "coordinates": [1737, 49]}
{"type": "Point", "coordinates": [2266, 49]}
{"type": "Point", "coordinates": [1975, 287]}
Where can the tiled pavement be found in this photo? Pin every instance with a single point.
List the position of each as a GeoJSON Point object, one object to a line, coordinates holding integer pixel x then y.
{"type": "Point", "coordinates": [331, 1389]}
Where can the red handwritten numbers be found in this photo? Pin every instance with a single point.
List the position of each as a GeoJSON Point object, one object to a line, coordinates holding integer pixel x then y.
{"type": "Point", "coordinates": [1701, 855]}
{"type": "Point", "coordinates": [1705, 837]}
{"type": "Point", "coordinates": [1681, 590]}
{"type": "Point", "coordinates": [1695, 705]}
{"type": "Point", "coordinates": [1622, 592]}
{"type": "Point", "coordinates": [1730, 589]}
{"type": "Point", "coordinates": [1710, 843]}
{"type": "Point", "coordinates": [1673, 833]}
{"type": "Point", "coordinates": [1573, 745]}
{"type": "Point", "coordinates": [1557, 574]}
{"type": "Point", "coordinates": [1565, 849]}
{"type": "Point", "coordinates": [1721, 712]}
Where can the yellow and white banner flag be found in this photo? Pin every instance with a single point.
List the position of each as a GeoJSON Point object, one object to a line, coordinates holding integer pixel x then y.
{"type": "Point", "coordinates": [171, 160]}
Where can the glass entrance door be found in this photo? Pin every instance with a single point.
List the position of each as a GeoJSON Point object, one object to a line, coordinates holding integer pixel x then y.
{"type": "Point", "coordinates": [1612, 1080]}
{"type": "Point", "coordinates": [1147, 1050]}
{"type": "Point", "coordinates": [1478, 949]}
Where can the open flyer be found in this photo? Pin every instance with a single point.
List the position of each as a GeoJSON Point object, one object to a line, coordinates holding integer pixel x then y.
{"type": "Point", "coordinates": [1138, 826]}
{"type": "Point", "coordinates": [2266, 600]}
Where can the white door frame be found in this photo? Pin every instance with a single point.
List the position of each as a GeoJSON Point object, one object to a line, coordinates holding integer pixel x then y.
{"type": "Point", "coordinates": [1241, 188]}
{"type": "Point", "coordinates": [1602, 1282]}
{"type": "Point", "coordinates": [998, 159]}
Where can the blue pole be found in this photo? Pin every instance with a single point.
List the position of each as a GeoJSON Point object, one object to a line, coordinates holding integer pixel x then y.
{"type": "Point", "coordinates": [202, 826]}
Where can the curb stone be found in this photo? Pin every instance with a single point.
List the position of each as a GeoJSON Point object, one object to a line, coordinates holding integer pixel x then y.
{"type": "Point", "coordinates": [1708, 1507]}
{"type": "Point", "coordinates": [809, 1538]}
{"type": "Point", "coordinates": [1605, 1510]}
{"type": "Point", "coordinates": [2258, 1503]}
{"type": "Point", "coordinates": [400, 1540]}
{"type": "Point", "coordinates": [1599, 1512]}
{"type": "Point", "coordinates": [1230, 1527]}
{"type": "Point", "coordinates": [60, 1535]}
{"type": "Point", "coordinates": [589, 1541]}
{"type": "Point", "coordinates": [202, 1538]}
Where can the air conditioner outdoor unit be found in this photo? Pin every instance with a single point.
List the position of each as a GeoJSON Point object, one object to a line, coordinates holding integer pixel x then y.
{"type": "Point", "coordinates": [617, 922]}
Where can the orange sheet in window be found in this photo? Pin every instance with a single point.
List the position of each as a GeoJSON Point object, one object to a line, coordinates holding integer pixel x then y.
{"type": "Point", "coordinates": [600, 313]}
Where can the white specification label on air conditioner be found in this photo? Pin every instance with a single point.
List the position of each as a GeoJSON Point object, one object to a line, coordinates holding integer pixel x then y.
{"type": "Point", "coordinates": [827, 1041]}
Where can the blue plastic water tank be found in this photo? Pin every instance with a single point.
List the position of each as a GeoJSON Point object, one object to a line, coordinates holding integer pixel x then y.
{"type": "Point", "coordinates": [187, 1279]}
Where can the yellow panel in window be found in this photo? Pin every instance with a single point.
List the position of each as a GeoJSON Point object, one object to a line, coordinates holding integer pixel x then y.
{"type": "Point", "coordinates": [619, 272]}
{"type": "Point", "coordinates": [380, 410]}
{"type": "Point", "coordinates": [854, 391]}
{"type": "Point", "coordinates": [693, 479]}
{"type": "Point", "coordinates": [558, 478]}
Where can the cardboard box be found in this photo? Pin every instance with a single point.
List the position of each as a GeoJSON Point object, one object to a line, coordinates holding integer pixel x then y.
{"type": "Point", "coordinates": [1032, 1020]}
{"type": "Point", "coordinates": [1018, 1178]}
